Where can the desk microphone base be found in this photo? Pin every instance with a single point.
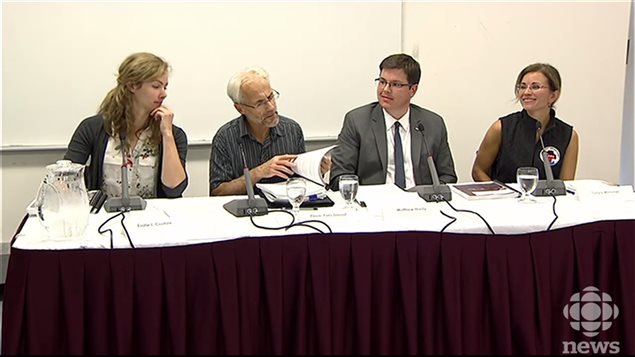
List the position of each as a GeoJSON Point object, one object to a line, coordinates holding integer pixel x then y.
{"type": "Point", "coordinates": [431, 193]}
{"type": "Point", "coordinates": [116, 204]}
{"type": "Point", "coordinates": [243, 208]}
{"type": "Point", "coordinates": [550, 188]}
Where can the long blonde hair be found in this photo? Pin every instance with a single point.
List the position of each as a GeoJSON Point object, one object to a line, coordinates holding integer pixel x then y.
{"type": "Point", "coordinates": [116, 108]}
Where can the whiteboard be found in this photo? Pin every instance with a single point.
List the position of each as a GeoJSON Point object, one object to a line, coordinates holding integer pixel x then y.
{"type": "Point", "coordinates": [60, 60]}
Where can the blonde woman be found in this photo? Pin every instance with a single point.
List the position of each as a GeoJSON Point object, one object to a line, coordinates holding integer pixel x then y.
{"type": "Point", "coordinates": [155, 149]}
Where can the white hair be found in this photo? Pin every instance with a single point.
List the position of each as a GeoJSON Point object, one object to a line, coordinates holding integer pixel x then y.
{"type": "Point", "coordinates": [235, 84]}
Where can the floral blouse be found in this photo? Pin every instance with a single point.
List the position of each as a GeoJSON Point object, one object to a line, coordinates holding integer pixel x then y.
{"type": "Point", "coordinates": [141, 165]}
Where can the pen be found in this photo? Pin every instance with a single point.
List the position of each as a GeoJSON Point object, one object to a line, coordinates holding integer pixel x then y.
{"type": "Point", "coordinates": [360, 203]}
{"type": "Point", "coordinates": [313, 197]}
{"type": "Point", "coordinates": [571, 192]}
{"type": "Point", "coordinates": [308, 179]}
{"type": "Point", "coordinates": [301, 208]}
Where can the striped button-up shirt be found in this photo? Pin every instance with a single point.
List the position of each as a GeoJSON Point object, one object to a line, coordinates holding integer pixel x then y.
{"type": "Point", "coordinates": [226, 162]}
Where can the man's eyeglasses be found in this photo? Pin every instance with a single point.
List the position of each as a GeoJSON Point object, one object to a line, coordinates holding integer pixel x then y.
{"type": "Point", "coordinates": [534, 87]}
{"type": "Point", "coordinates": [382, 84]}
{"type": "Point", "coordinates": [261, 104]}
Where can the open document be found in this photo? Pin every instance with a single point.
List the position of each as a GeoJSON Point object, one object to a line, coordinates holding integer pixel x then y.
{"type": "Point", "coordinates": [308, 164]}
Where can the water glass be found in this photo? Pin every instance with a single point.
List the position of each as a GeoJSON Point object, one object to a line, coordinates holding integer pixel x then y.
{"type": "Point", "coordinates": [296, 192]}
{"type": "Point", "coordinates": [348, 186]}
{"type": "Point", "coordinates": [527, 178]}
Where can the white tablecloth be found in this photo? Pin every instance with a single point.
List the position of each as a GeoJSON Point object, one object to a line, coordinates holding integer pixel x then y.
{"type": "Point", "coordinates": [172, 222]}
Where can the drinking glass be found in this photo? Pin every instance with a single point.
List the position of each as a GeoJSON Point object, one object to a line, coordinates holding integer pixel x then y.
{"type": "Point", "coordinates": [527, 178]}
{"type": "Point", "coordinates": [348, 189]}
{"type": "Point", "coordinates": [296, 192]}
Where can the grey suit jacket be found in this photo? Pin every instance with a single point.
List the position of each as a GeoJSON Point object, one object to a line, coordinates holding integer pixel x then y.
{"type": "Point", "coordinates": [362, 148]}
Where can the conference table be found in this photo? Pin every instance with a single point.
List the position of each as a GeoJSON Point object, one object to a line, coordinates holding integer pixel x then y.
{"type": "Point", "coordinates": [400, 276]}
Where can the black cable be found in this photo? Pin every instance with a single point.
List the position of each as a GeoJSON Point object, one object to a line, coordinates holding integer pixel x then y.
{"type": "Point", "coordinates": [123, 216]}
{"type": "Point", "coordinates": [108, 230]}
{"type": "Point", "coordinates": [293, 223]}
{"type": "Point", "coordinates": [274, 228]}
{"type": "Point", "coordinates": [473, 212]}
{"type": "Point", "coordinates": [317, 221]}
{"type": "Point", "coordinates": [554, 213]}
{"type": "Point", "coordinates": [304, 225]}
{"type": "Point", "coordinates": [453, 219]}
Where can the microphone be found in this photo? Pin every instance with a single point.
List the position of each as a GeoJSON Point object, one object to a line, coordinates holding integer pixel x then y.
{"type": "Point", "coordinates": [124, 203]}
{"type": "Point", "coordinates": [252, 206]}
{"type": "Point", "coordinates": [437, 191]}
{"type": "Point", "coordinates": [550, 186]}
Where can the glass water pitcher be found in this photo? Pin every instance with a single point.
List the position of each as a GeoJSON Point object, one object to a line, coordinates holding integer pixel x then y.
{"type": "Point", "coordinates": [62, 200]}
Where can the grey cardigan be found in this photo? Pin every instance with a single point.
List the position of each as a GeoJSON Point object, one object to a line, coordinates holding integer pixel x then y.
{"type": "Point", "coordinates": [90, 139]}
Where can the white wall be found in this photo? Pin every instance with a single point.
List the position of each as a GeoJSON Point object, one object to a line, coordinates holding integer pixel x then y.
{"type": "Point", "coordinates": [627, 173]}
{"type": "Point", "coordinates": [470, 54]}
{"type": "Point", "coordinates": [60, 59]}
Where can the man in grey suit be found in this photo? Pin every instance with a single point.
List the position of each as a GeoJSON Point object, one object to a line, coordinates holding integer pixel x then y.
{"type": "Point", "coordinates": [381, 142]}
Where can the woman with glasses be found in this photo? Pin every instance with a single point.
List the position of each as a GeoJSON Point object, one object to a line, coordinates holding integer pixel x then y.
{"type": "Point", "coordinates": [133, 121]}
{"type": "Point", "coordinates": [517, 139]}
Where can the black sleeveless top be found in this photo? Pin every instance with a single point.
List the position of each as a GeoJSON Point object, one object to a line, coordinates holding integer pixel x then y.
{"type": "Point", "coordinates": [519, 147]}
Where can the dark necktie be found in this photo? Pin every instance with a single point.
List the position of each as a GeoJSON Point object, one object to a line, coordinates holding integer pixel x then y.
{"type": "Point", "coordinates": [400, 173]}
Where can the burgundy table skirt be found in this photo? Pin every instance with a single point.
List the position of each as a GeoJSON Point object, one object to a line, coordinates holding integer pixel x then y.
{"type": "Point", "coordinates": [363, 293]}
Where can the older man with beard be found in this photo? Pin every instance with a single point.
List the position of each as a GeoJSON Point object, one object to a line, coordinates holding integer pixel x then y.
{"type": "Point", "coordinates": [270, 142]}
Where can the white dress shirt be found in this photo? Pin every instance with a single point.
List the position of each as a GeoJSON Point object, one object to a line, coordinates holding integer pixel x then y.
{"type": "Point", "coordinates": [404, 131]}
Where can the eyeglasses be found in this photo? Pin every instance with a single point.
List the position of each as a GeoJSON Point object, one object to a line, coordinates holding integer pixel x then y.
{"type": "Point", "coordinates": [534, 87]}
{"type": "Point", "coordinates": [261, 104]}
{"type": "Point", "coordinates": [382, 84]}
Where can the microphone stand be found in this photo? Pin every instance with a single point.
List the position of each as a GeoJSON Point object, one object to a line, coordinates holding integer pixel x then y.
{"type": "Point", "coordinates": [550, 186]}
{"type": "Point", "coordinates": [251, 206]}
{"type": "Point", "coordinates": [124, 203]}
{"type": "Point", "coordinates": [436, 192]}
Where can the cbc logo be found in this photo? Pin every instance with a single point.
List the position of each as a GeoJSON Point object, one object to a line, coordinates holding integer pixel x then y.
{"type": "Point", "coordinates": [591, 311]}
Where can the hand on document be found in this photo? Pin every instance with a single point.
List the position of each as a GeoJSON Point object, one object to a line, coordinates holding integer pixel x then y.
{"type": "Point", "coordinates": [282, 166]}
{"type": "Point", "coordinates": [314, 165]}
{"type": "Point", "coordinates": [325, 164]}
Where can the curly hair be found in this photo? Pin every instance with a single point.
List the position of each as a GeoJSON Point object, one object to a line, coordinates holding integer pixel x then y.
{"type": "Point", "coordinates": [116, 108]}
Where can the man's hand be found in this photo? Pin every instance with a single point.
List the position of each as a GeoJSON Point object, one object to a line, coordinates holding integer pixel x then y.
{"type": "Point", "coordinates": [281, 166]}
{"type": "Point", "coordinates": [325, 164]}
